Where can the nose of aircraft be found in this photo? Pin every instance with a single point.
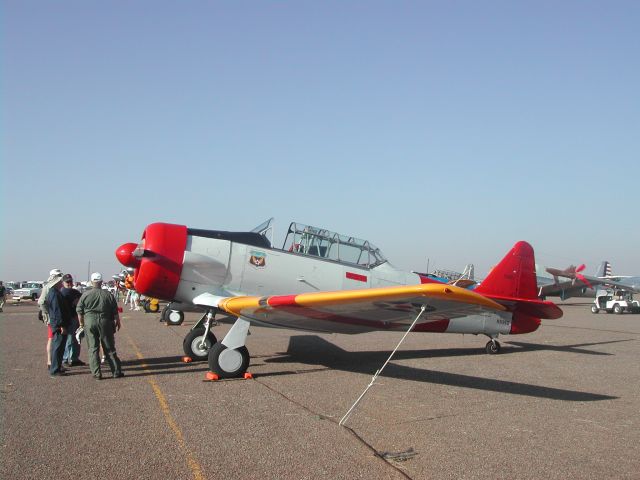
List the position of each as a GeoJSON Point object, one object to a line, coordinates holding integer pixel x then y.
{"type": "Point", "coordinates": [124, 254]}
{"type": "Point", "coordinates": [157, 260]}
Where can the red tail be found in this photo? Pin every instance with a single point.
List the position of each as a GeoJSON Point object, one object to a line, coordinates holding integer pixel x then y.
{"type": "Point", "coordinates": [513, 283]}
{"type": "Point", "coordinates": [514, 276]}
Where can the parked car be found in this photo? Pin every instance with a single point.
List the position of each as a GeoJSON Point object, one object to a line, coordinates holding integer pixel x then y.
{"type": "Point", "coordinates": [12, 286]}
{"type": "Point", "coordinates": [30, 291]}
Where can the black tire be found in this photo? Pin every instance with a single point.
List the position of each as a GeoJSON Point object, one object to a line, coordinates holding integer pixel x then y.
{"type": "Point", "coordinates": [617, 309]}
{"type": "Point", "coordinates": [34, 296]}
{"type": "Point", "coordinates": [492, 347]}
{"type": "Point", "coordinates": [192, 344]}
{"type": "Point", "coordinates": [173, 317]}
{"type": "Point", "coordinates": [228, 363]}
{"type": "Point", "coordinates": [594, 309]}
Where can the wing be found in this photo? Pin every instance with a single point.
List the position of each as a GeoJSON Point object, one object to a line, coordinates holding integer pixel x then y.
{"type": "Point", "coordinates": [354, 311]}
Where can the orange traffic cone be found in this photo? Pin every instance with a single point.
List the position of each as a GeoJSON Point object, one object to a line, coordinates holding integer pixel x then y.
{"type": "Point", "coordinates": [212, 376]}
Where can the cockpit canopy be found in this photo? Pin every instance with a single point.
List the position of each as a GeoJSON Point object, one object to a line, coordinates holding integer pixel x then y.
{"type": "Point", "coordinates": [318, 242]}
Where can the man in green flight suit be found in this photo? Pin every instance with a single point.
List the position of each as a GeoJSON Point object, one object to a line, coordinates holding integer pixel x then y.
{"type": "Point", "coordinates": [98, 315]}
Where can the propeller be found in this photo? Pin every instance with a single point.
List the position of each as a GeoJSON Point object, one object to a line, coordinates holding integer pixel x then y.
{"type": "Point", "coordinates": [581, 277]}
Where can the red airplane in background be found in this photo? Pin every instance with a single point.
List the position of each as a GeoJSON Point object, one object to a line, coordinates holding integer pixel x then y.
{"type": "Point", "coordinates": [320, 281]}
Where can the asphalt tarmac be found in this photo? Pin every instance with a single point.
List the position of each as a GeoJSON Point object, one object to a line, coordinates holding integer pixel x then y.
{"type": "Point", "coordinates": [562, 402]}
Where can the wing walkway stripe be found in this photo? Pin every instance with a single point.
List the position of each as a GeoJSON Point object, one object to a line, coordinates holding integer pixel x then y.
{"type": "Point", "coordinates": [192, 463]}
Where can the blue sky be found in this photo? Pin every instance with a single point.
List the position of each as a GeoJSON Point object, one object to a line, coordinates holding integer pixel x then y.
{"type": "Point", "coordinates": [437, 130]}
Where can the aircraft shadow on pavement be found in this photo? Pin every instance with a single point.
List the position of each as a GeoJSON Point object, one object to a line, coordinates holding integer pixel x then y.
{"type": "Point", "coordinates": [161, 366]}
{"type": "Point", "coordinates": [314, 350]}
{"type": "Point", "coordinates": [577, 348]}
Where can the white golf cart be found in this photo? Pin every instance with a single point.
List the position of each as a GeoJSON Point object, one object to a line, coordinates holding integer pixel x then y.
{"type": "Point", "coordinates": [618, 301]}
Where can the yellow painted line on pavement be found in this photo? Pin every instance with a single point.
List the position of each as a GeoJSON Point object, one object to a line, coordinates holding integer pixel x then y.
{"type": "Point", "coordinates": [192, 463]}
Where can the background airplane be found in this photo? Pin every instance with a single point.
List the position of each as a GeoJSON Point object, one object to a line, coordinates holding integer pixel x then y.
{"type": "Point", "coordinates": [625, 282]}
{"type": "Point", "coordinates": [577, 283]}
{"type": "Point", "coordinates": [320, 281]}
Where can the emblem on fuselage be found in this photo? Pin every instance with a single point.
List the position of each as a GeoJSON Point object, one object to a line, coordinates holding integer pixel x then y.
{"type": "Point", "coordinates": [258, 259]}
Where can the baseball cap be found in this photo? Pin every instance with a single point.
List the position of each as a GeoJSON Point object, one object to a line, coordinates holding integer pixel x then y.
{"type": "Point", "coordinates": [67, 277]}
{"type": "Point", "coordinates": [96, 277]}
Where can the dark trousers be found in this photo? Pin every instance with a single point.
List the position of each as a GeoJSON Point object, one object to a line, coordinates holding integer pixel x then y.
{"type": "Point", "coordinates": [58, 342]}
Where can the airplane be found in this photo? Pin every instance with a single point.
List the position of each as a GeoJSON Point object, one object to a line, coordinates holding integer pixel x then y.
{"type": "Point", "coordinates": [623, 282]}
{"type": "Point", "coordinates": [578, 284]}
{"type": "Point", "coordinates": [320, 281]}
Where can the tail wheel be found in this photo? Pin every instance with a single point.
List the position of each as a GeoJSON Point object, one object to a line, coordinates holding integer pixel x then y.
{"type": "Point", "coordinates": [492, 347]}
{"type": "Point", "coordinates": [228, 363]}
{"type": "Point", "coordinates": [197, 345]}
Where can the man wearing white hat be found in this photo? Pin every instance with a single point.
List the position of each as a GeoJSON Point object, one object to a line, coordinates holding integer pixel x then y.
{"type": "Point", "coordinates": [98, 315]}
{"type": "Point", "coordinates": [59, 320]}
{"type": "Point", "coordinates": [53, 275]}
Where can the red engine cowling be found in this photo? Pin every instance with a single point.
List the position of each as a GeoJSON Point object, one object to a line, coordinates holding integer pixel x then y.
{"type": "Point", "coordinates": [157, 259]}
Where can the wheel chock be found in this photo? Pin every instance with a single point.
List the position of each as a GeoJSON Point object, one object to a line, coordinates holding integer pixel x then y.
{"type": "Point", "coordinates": [248, 376]}
{"type": "Point", "coordinates": [212, 377]}
{"type": "Point", "coordinates": [187, 359]}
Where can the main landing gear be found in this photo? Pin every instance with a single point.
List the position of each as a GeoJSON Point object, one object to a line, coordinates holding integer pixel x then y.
{"type": "Point", "coordinates": [229, 358]}
{"type": "Point", "coordinates": [493, 346]}
{"type": "Point", "coordinates": [200, 338]}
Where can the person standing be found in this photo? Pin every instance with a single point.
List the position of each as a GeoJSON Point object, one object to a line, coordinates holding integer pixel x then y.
{"type": "Point", "coordinates": [98, 315]}
{"type": "Point", "coordinates": [59, 320]}
{"type": "Point", "coordinates": [72, 348]}
{"type": "Point", "coordinates": [3, 294]}
{"type": "Point", "coordinates": [53, 274]}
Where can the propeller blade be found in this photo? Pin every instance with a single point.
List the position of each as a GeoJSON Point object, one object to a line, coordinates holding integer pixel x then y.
{"type": "Point", "coordinates": [581, 268]}
{"type": "Point", "coordinates": [584, 280]}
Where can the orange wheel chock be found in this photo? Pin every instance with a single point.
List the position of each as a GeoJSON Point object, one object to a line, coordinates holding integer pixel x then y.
{"type": "Point", "coordinates": [248, 376]}
{"type": "Point", "coordinates": [212, 376]}
{"type": "Point", "coordinates": [186, 359]}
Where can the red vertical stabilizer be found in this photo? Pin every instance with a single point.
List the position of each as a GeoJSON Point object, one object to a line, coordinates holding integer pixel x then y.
{"type": "Point", "coordinates": [514, 276]}
{"type": "Point", "coordinates": [513, 283]}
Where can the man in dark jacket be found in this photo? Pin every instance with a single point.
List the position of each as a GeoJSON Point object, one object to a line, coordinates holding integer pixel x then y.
{"type": "Point", "coordinates": [72, 349]}
{"type": "Point", "coordinates": [59, 321]}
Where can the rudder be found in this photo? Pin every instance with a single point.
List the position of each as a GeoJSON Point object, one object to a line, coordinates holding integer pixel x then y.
{"type": "Point", "coordinates": [514, 276]}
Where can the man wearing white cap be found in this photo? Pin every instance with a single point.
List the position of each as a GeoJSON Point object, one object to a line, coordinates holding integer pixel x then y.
{"type": "Point", "coordinates": [59, 320]}
{"type": "Point", "coordinates": [98, 315]}
{"type": "Point", "coordinates": [53, 274]}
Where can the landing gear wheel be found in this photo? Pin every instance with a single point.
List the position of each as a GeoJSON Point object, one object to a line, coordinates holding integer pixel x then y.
{"type": "Point", "coordinates": [172, 317]}
{"type": "Point", "coordinates": [228, 363]}
{"type": "Point", "coordinates": [196, 345]}
{"type": "Point", "coordinates": [594, 309]}
{"type": "Point", "coordinates": [492, 347]}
